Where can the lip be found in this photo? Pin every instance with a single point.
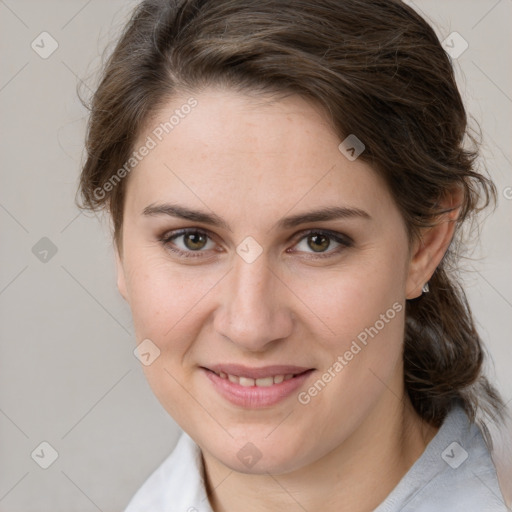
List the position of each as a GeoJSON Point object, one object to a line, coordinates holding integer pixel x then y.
{"type": "Point", "coordinates": [255, 397]}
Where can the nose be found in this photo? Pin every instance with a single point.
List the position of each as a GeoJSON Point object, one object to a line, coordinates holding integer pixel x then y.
{"type": "Point", "coordinates": [253, 312]}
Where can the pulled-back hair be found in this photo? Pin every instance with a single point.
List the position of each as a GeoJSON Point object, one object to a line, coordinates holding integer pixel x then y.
{"type": "Point", "coordinates": [378, 71]}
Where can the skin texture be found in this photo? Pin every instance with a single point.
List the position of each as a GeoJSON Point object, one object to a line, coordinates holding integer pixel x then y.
{"type": "Point", "coordinates": [252, 161]}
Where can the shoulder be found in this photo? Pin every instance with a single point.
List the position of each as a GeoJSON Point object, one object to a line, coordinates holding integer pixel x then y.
{"type": "Point", "coordinates": [455, 473]}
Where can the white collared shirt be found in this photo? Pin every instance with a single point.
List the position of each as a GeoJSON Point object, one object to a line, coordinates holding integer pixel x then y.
{"type": "Point", "coordinates": [454, 473]}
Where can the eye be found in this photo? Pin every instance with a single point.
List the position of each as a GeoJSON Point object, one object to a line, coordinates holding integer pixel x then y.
{"type": "Point", "coordinates": [193, 242]}
{"type": "Point", "coordinates": [320, 241]}
{"type": "Point", "coordinates": [186, 242]}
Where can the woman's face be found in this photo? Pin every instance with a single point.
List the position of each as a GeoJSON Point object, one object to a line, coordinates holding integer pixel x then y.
{"type": "Point", "coordinates": [296, 262]}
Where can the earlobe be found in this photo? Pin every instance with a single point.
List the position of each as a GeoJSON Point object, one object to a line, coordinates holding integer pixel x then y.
{"type": "Point", "coordinates": [429, 250]}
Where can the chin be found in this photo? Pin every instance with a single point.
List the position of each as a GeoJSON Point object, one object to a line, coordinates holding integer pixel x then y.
{"type": "Point", "coordinates": [257, 456]}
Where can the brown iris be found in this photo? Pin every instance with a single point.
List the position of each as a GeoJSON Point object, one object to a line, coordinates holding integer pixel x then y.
{"type": "Point", "coordinates": [318, 242]}
{"type": "Point", "coordinates": [195, 241]}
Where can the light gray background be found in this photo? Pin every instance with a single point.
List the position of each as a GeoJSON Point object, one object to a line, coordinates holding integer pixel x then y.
{"type": "Point", "coordinates": [67, 372]}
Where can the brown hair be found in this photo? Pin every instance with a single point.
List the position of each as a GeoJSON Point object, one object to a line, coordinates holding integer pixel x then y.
{"type": "Point", "coordinates": [379, 72]}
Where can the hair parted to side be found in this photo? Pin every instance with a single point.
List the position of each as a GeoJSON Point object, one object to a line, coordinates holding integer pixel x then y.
{"type": "Point", "coordinates": [378, 71]}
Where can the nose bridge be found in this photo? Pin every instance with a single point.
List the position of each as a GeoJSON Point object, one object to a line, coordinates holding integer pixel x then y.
{"type": "Point", "coordinates": [251, 283]}
{"type": "Point", "coordinates": [250, 314]}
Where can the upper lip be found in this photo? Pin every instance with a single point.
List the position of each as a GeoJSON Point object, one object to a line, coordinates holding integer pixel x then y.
{"type": "Point", "coordinates": [257, 373]}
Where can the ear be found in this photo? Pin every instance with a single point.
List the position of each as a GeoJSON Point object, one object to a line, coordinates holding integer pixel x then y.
{"type": "Point", "coordinates": [428, 251]}
{"type": "Point", "coordinates": [121, 281]}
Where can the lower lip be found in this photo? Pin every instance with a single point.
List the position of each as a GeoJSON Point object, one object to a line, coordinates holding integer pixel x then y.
{"type": "Point", "coordinates": [253, 397]}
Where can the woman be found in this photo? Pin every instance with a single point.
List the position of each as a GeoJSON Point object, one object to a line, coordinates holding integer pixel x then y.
{"type": "Point", "coordinates": [287, 181]}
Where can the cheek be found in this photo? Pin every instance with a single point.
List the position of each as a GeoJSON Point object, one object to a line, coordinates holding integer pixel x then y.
{"type": "Point", "coordinates": [167, 306]}
{"type": "Point", "coordinates": [361, 360]}
{"type": "Point", "coordinates": [362, 310]}
{"type": "Point", "coordinates": [162, 299]}
{"type": "Point", "coordinates": [353, 297]}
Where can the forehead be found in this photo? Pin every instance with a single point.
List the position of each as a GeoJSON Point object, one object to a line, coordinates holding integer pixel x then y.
{"type": "Point", "coordinates": [231, 150]}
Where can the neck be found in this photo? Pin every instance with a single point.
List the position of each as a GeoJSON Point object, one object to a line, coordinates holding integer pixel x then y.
{"type": "Point", "coordinates": [356, 476]}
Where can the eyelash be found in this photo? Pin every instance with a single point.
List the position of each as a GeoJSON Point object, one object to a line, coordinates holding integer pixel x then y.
{"type": "Point", "coordinates": [344, 241]}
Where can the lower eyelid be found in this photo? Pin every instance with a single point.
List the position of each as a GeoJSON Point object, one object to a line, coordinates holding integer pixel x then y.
{"type": "Point", "coordinates": [326, 254]}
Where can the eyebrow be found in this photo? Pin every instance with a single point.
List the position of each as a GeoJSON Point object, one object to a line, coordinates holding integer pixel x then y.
{"type": "Point", "coordinates": [322, 214]}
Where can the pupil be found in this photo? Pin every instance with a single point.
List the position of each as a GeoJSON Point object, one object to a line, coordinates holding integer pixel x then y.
{"type": "Point", "coordinates": [195, 241]}
{"type": "Point", "coordinates": [318, 242]}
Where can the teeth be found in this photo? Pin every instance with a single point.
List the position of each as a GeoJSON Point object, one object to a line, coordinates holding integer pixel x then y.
{"type": "Point", "coordinates": [246, 382]}
{"type": "Point", "coordinates": [264, 382]}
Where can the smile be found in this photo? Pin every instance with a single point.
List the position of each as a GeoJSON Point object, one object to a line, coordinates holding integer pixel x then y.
{"type": "Point", "coordinates": [252, 388]}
